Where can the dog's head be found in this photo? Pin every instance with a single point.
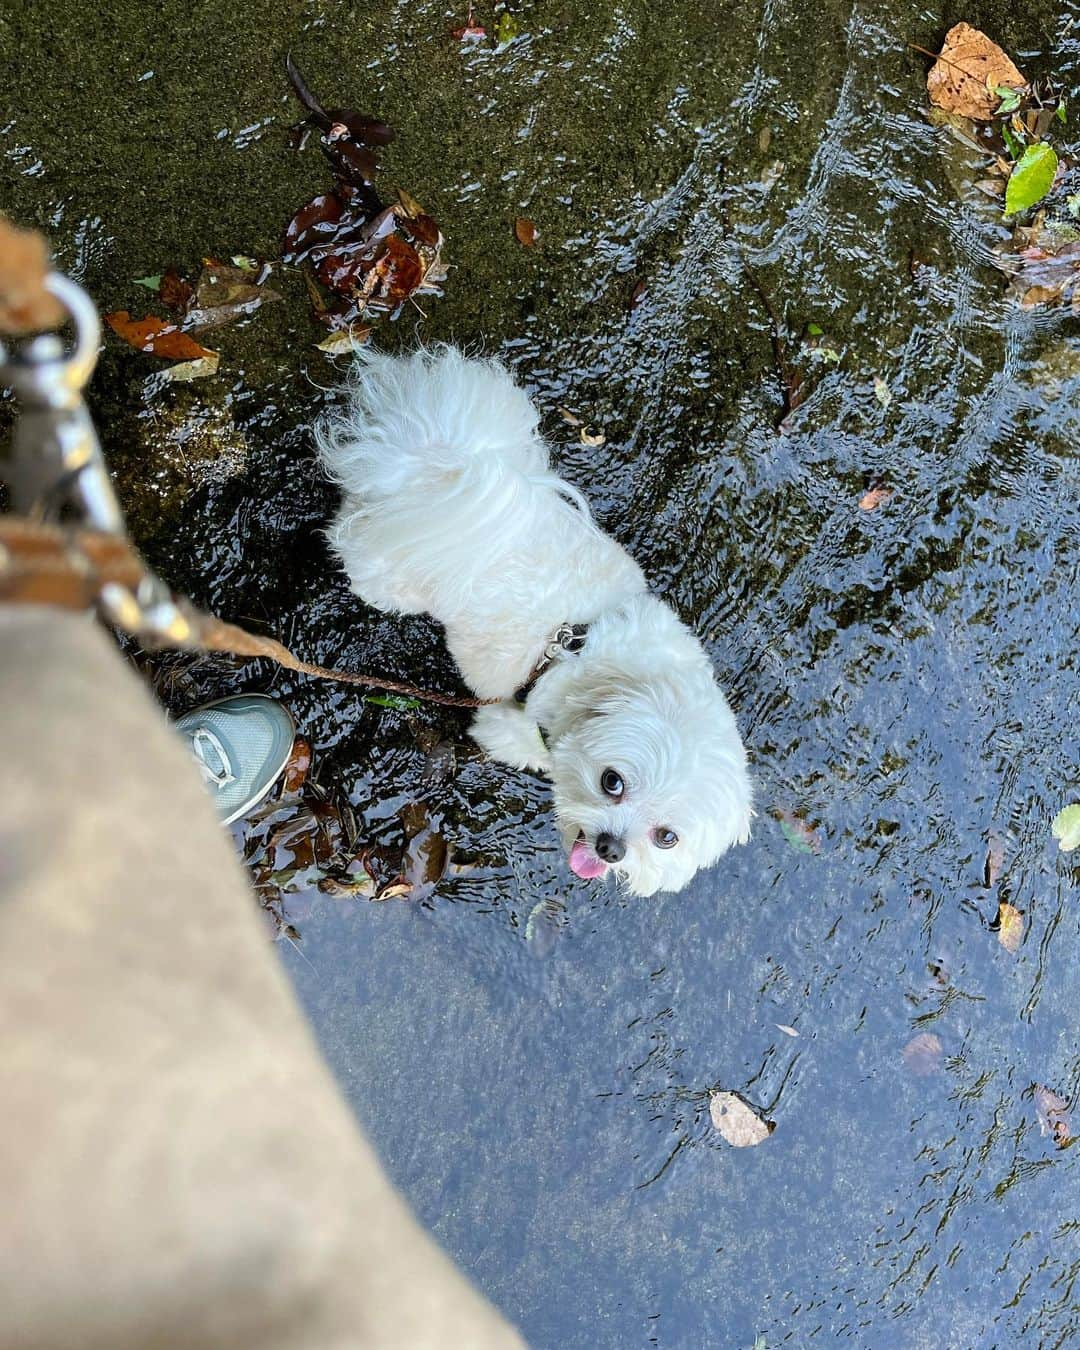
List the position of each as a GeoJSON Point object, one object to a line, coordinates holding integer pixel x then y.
{"type": "Point", "coordinates": [649, 773]}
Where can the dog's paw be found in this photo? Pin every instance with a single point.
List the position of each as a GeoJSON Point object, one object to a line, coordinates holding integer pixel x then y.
{"type": "Point", "coordinates": [507, 732]}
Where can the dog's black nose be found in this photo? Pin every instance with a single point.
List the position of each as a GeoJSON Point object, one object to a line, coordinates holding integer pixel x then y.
{"type": "Point", "coordinates": [609, 848]}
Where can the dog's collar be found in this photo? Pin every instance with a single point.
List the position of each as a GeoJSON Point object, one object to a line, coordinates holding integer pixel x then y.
{"type": "Point", "coordinates": [568, 637]}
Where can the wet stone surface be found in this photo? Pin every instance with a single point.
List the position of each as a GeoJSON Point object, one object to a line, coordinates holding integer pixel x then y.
{"type": "Point", "coordinates": [534, 1057]}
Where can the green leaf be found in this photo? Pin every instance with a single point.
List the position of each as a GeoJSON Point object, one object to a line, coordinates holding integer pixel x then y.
{"type": "Point", "coordinates": [506, 30]}
{"type": "Point", "coordinates": [1066, 828]}
{"type": "Point", "coordinates": [795, 837]}
{"type": "Point", "coordinates": [1060, 112]}
{"type": "Point", "coordinates": [151, 283]}
{"type": "Point", "coordinates": [815, 329]}
{"type": "Point", "coordinates": [244, 263]}
{"type": "Point", "coordinates": [1032, 178]}
{"type": "Point", "coordinates": [1010, 99]}
{"type": "Point", "coordinates": [1073, 203]}
{"type": "Point", "coordinates": [398, 701]}
{"type": "Point", "coordinates": [1014, 147]}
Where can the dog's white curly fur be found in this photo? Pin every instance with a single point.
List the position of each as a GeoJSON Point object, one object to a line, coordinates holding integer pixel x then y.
{"type": "Point", "coordinates": [451, 508]}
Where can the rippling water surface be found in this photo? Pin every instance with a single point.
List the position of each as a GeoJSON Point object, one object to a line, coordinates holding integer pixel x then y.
{"type": "Point", "coordinates": [531, 1054]}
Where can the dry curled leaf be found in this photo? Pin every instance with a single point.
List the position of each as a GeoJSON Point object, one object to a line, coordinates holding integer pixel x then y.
{"type": "Point", "coordinates": [593, 440]}
{"type": "Point", "coordinates": [739, 1123]}
{"type": "Point", "coordinates": [1053, 1114]}
{"type": "Point", "coordinates": [922, 1055]}
{"type": "Point", "coordinates": [966, 73]}
{"type": "Point", "coordinates": [344, 341]}
{"type": "Point", "coordinates": [408, 203]}
{"type": "Point", "coordinates": [525, 231]}
{"type": "Point", "coordinates": [876, 497]}
{"type": "Point", "coordinates": [348, 888]}
{"type": "Point", "coordinates": [1010, 926]}
{"type": "Point", "coordinates": [298, 765]}
{"type": "Point", "coordinates": [174, 291]}
{"type": "Point", "coordinates": [223, 293]}
{"type": "Point", "coordinates": [186, 371]}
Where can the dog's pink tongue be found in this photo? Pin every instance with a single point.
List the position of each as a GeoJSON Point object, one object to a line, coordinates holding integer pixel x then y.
{"type": "Point", "coordinates": [584, 862]}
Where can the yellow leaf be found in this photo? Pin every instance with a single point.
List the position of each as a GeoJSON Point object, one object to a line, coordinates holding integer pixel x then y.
{"type": "Point", "coordinates": [1010, 926]}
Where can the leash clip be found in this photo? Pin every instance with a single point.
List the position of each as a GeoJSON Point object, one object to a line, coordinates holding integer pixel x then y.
{"type": "Point", "coordinates": [56, 458]}
{"type": "Point", "coordinates": [568, 637]}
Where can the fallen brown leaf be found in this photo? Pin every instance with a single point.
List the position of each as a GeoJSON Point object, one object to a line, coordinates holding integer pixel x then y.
{"type": "Point", "coordinates": [1044, 272]}
{"type": "Point", "coordinates": [222, 294]}
{"type": "Point", "coordinates": [298, 766]}
{"type": "Point", "coordinates": [174, 291]}
{"type": "Point", "coordinates": [156, 336]}
{"type": "Point", "coordinates": [525, 231]}
{"type": "Point", "coordinates": [967, 71]}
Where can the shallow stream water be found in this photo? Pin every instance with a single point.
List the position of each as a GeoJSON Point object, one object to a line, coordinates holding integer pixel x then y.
{"type": "Point", "coordinates": [533, 1055]}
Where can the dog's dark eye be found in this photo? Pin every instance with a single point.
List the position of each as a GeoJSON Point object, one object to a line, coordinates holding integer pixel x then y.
{"type": "Point", "coordinates": [612, 783]}
{"type": "Point", "coordinates": [662, 837]}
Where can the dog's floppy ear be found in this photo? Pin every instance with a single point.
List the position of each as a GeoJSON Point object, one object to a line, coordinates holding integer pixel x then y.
{"type": "Point", "coordinates": [589, 689]}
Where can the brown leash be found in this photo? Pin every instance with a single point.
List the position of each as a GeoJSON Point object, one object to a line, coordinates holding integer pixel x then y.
{"type": "Point", "coordinates": [79, 570]}
{"type": "Point", "coordinates": [55, 447]}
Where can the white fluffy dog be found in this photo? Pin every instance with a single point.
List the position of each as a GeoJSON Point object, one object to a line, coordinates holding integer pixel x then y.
{"type": "Point", "coordinates": [451, 508]}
